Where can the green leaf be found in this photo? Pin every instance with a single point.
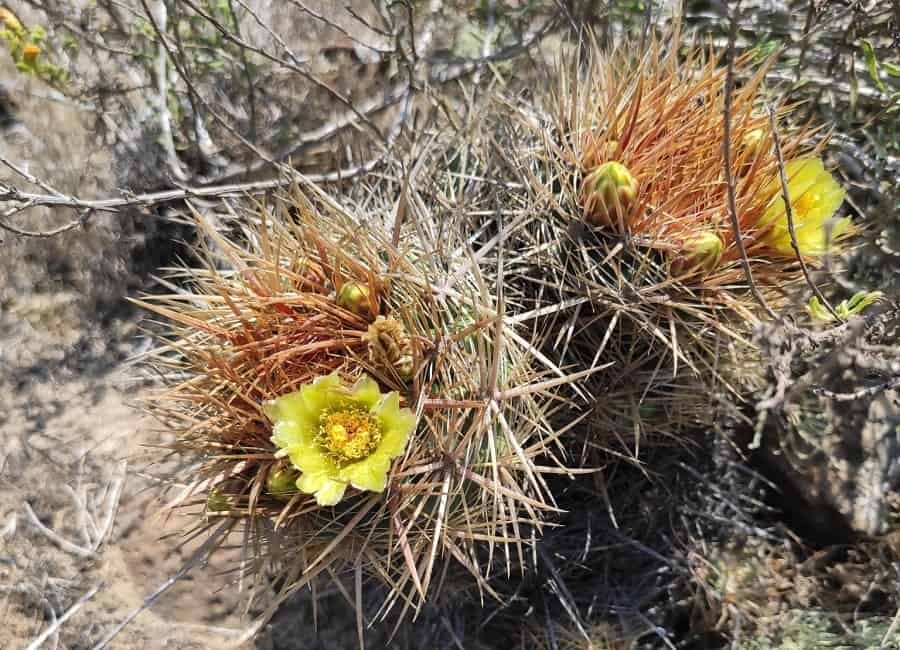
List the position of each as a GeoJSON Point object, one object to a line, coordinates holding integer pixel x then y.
{"type": "Point", "coordinates": [764, 49]}
{"type": "Point", "coordinates": [857, 303]}
{"type": "Point", "coordinates": [818, 312]}
{"type": "Point", "coordinates": [845, 309]}
{"type": "Point", "coordinates": [892, 69]}
{"type": "Point", "coordinates": [872, 63]}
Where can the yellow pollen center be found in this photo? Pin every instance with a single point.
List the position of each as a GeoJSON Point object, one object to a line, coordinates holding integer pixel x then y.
{"type": "Point", "coordinates": [805, 202]}
{"type": "Point", "coordinates": [349, 434]}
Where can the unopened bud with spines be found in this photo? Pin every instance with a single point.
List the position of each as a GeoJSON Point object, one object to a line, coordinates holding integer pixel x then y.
{"type": "Point", "coordinates": [751, 146]}
{"type": "Point", "coordinates": [700, 252]}
{"type": "Point", "coordinates": [225, 496]}
{"type": "Point", "coordinates": [607, 194]}
{"type": "Point", "coordinates": [354, 297]}
{"type": "Point", "coordinates": [218, 501]}
{"type": "Point", "coordinates": [281, 482]}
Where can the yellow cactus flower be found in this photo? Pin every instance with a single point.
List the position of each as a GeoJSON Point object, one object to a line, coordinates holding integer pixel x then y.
{"type": "Point", "coordinates": [337, 435]}
{"type": "Point", "coordinates": [8, 19]}
{"type": "Point", "coordinates": [815, 197]}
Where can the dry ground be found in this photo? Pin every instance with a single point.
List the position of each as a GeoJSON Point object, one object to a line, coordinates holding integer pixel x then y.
{"type": "Point", "coordinates": [67, 424]}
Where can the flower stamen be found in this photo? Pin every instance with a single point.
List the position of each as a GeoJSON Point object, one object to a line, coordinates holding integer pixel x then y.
{"type": "Point", "coordinates": [348, 434]}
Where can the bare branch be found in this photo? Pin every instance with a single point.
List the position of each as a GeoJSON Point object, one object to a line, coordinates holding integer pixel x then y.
{"type": "Point", "coordinates": [789, 211]}
{"type": "Point", "coordinates": [29, 200]}
{"type": "Point", "coordinates": [52, 629]}
{"type": "Point", "coordinates": [57, 539]}
{"type": "Point", "coordinates": [729, 175]}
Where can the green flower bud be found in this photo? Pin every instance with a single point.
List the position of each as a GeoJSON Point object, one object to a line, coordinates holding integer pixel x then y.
{"type": "Point", "coordinates": [281, 482]}
{"type": "Point", "coordinates": [218, 501]}
{"type": "Point", "coordinates": [845, 309]}
{"type": "Point", "coordinates": [608, 193]}
{"type": "Point", "coordinates": [702, 252]}
{"type": "Point", "coordinates": [354, 297]}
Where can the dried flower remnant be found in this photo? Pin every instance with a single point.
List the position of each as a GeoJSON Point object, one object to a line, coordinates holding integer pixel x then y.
{"type": "Point", "coordinates": [338, 436]}
{"type": "Point", "coordinates": [389, 347]}
{"type": "Point", "coordinates": [815, 196]}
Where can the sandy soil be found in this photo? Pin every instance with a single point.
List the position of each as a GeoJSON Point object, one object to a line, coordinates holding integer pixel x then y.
{"type": "Point", "coordinates": [84, 449]}
{"type": "Point", "coordinates": [67, 425]}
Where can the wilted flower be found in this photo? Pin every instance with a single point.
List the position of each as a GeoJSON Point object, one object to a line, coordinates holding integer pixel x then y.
{"type": "Point", "coordinates": [815, 196]}
{"type": "Point", "coordinates": [702, 251]}
{"type": "Point", "coordinates": [338, 436]}
{"type": "Point", "coordinates": [354, 297]}
{"type": "Point", "coordinates": [389, 347]}
{"type": "Point", "coordinates": [607, 194]}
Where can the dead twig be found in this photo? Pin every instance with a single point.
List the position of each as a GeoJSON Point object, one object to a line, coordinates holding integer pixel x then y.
{"type": "Point", "coordinates": [54, 627]}
{"type": "Point", "coordinates": [862, 393]}
{"type": "Point", "coordinates": [789, 212]}
{"type": "Point", "coordinates": [95, 518]}
{"type": "Point", "coordinates": [729, 175]}
{"type": "Point", "coordinates": [56, 538]}
{"type": "Point", "coordinates": [28, 200]}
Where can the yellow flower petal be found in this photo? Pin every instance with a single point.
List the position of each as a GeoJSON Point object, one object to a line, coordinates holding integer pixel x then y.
{"type": "Point", "coordinates": [311, 482]}
{"type": "Point", "coordinates": [307, 458]}
{"type": "Point", "coordinates": [320, 393]}
{"type": "Point", "coordinates": [815, 197]}
{"type": "Point", "coordinates": [369, 474]}
{"type": "Point", "coordinates": [330, 493]}
{"type": "Point", "coordinates": [366, 392]}
{"type": "Point", "coordinates": [393, 441]}
{"type": "Point", "coordinates": [398, 424]}
{"type": "Point", "coordinates": [288, 433]}
{"type": "Point", "coordinates": [291, 408]}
